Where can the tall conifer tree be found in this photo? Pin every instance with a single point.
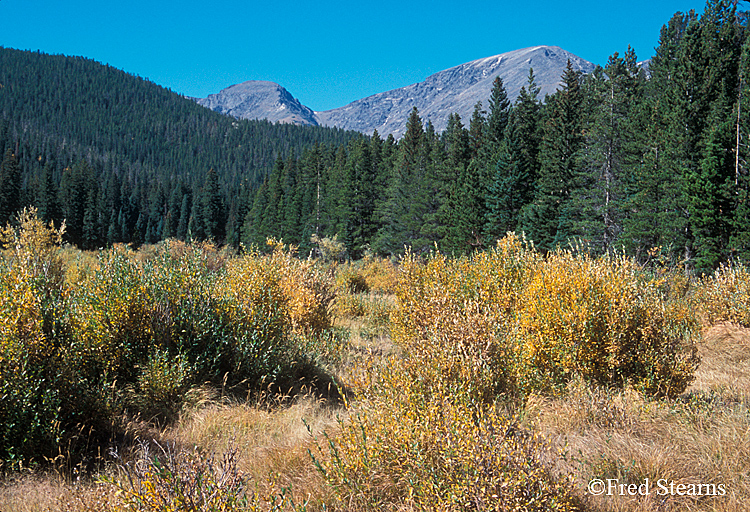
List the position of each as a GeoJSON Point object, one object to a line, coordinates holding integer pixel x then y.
{"type": "Point", "coordinates": [549, 219]}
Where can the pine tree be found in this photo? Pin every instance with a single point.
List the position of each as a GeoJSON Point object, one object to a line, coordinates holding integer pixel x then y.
{"type": "Point", "coordinates": [549, 219]}
{"type": "Point", "coordinates": [213, 211]}
{"type": "Point", "coordinates": [456, 141]}
{"type": "Point", "coordinates": [90, 234]}
{"type": "Point", "coordinates": [74, 197]}
{"type": "Point", "coordinates": [10, 189]}
{"type": "Point", "coordinates": [403, 216]}
{"type": "Point", "coordinates": [363, 197]}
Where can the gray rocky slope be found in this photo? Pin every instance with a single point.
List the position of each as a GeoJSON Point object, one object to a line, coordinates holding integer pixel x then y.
{"type": "Point", "coordinates": [456, 89]}
{"type": "Point", "coordinates": [256, 99]}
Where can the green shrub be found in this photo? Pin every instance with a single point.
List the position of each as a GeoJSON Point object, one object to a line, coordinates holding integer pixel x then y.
{"type": "Point", "coordinates": [133, 333]}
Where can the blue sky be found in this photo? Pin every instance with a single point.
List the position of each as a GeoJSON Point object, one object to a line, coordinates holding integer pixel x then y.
{"type": "Point", "coordinates": [327, 53]}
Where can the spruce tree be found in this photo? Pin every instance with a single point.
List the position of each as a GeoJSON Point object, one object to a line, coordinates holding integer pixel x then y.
{"type": "Point", "coordinates": [656, 219]}
{"type": "Point", "coordinates": [252, 228]}
{"type": "Point", "coordinates": [512, 185]}
{"type": "Point", "coordinates": [363, 197]}
{"type": "Point", "coordinates": [49, 208]}
{"type": "Point", "coordinates": [403, 215]}
{"type": "Point", "coordinates": [477, 128]}
{"type": "Point", "coordinates": [499, 113]}
{"type": "Point", "coordinates": [549, 219]}
{"type": "Point", "coordinates": [10, 187]}
{"type": "Point", "coordinates": [213, 211]}
{"type": "Point", "coordinates": [290, 214]}
{"type": "Point", "coordinates": [740, 239]}
{"type": "Point", "coordinates": [270, 219]}
{"type": "Point", "coordinates": [509, 191]}
{"type": "Point", "coordinates": [711, 174]}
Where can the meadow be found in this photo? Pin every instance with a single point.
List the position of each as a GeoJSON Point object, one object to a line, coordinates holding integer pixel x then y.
{"type": "Point", "coordinates": [184, 377]}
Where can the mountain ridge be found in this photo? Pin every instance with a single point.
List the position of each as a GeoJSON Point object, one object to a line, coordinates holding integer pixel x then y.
{"type": "Point", "coordinates": [456, 89]}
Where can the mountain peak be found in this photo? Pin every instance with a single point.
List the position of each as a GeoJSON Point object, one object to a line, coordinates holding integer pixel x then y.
{"type": "Point", "coordinates": [456, 89]}
{"type": "Point", "coordinates": [260, 99]}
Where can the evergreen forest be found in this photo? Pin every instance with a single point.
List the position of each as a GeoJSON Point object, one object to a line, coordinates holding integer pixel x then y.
{"type": "Point", "coordinates": [650, 160]}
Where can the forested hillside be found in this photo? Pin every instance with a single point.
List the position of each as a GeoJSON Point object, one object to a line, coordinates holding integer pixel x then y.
{"type": "Point", "coordinates": [653, 165]}
{"type": "Point", "coordinates": [125, 160]}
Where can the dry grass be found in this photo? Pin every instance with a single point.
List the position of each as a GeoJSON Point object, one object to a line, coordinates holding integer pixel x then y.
{"type": "Point", "coordinates": [271, 444]}
{"type": "Point", "coordinates": [725, 366]}
{"type": "Point", "coordinates": [30, 493]}
{"type": "Point", "coordinates": [702, 437]}
{"type": "Point", "coordinates": [270, 441]}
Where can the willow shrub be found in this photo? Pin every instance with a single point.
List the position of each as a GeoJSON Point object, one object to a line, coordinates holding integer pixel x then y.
{"type": "Point", "coordinates": [509, 320]}
{"type": "Point", "coordinates": [134, 334]}
{"type": "Point", "coordinates": [426, 434]}
{"type": "Point", "coordinates": [409, 447]}
{"type": "Point", "coordinates": [725, 295]}
{"type": "Point", "coordinates": [603, 320]}
{"type": "Point", "coordinates": [32, 333]}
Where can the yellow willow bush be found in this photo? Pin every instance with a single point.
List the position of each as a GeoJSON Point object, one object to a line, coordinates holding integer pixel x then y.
{"type": "Point", "coordinates": [32, 305]}
{"type": "Point", "coordinates": [379, 274]}
{"type": "Point", "coordinates": [725, 295]}
{"type": "Point", "coordinates": [450, 313]}
{"type": "Point", "coordinates": [302, 288]}
{"type": "Point", "coordinates": [31, 282]}
{"type": "Point", "coordinates": [604, 320]}
{"type": "Point", "coordinates": [430, 447]}
{"type": "Point", "coordinates": [308, 290]}
{"type": "Point", "coordinates": [509, 320]}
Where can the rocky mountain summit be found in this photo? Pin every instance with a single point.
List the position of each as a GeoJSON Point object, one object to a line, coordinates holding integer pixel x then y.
{"type": "Point", "coordinates": [456, 89]}
{"type": "Point", "coordinates": [257, 99]}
